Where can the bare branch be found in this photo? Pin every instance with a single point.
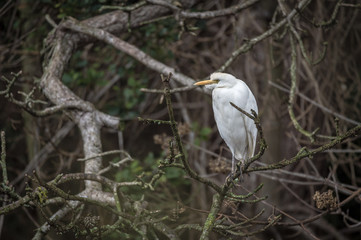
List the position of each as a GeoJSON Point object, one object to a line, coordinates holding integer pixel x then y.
{"type": "Point", "coordinates": [218, 13]}
{"type": "Point", "coordinates": [323, 108]}
{"type": "Point", "coordinates": [250, 43]}
{"type": "Point", "coordinates": [128, 49]}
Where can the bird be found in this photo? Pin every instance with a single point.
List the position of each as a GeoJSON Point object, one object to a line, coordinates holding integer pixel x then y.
{"type": "Point", "coordinates": [237, 130]}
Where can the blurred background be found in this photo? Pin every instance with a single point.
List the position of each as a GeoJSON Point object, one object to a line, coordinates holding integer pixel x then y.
{"type": "Point", "coordinates": [112, 81]}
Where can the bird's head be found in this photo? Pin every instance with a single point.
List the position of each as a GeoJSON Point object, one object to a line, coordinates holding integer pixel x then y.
{"type": "Point", "coordinates": [218, 80]}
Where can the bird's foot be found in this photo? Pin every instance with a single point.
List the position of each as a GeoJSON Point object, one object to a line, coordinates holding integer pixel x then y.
{"type": "Point", "coordinates": [230, 177]}
{"type": "Point", "coordinates": [239, 168]}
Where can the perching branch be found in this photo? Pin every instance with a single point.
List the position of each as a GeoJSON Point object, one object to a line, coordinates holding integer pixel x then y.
{"type": "Point", "coordinates": [262, 141]}
{"type": "Point", "coordinates": [181, 149]}
{"type": "Point", "coordinates": [133, 217]}
{"type": "Point", "coordinates": [309, 153]}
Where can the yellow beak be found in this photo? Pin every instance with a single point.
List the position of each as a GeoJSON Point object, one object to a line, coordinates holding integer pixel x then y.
{"type": "Point", "coordinates": [206, 82]}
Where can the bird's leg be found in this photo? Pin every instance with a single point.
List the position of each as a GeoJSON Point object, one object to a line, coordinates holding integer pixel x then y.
{"type": "Point", "coordinates": [240, 172]}
{"type": "Point", "coordinates": [239, 168]}
{"type": "Point", "coordinates": [233, 163]}
{"type": "Point", "coordinates": [233, 171]}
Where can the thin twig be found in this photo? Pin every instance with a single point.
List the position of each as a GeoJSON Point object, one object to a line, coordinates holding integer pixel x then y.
{"type": "Point", "coordinates": [173, 90]}
{"type": "Point", "coordinates": [218, 13]}
{"type": "Point", "coordinates": [176, 135]}
{"type": "Point", "coordinates": [308, 153]}
{"type": "Point", "coordinates": [3, 159]}
{"type": "Point", "coordinates": [106, 153]}
{"type": "Point", "coordinates": [250, 43]}
{"type": "Point", "coordinates": [350, 5]}
{"type": "Point", "coordinates": [303, 96]}
{"type": "Point", "coordinates": [125, 8]}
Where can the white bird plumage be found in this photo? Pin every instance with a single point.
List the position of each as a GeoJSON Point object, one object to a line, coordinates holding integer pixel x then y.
{"type": "Point", "coordinates": [237, 130]}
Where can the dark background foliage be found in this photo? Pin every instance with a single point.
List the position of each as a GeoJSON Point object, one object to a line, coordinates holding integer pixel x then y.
{"type": "Point", "coordinates": [112, 81]}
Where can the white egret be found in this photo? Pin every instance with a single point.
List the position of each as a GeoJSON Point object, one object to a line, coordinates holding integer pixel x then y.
{"type": "Point", "coordinates": [237, 130]}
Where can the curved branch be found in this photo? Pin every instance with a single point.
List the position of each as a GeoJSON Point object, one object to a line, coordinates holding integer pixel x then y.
{"type": "Point", "coordinates": [293, 69]}
{"type": "Point", "coordinates": [129, 49]}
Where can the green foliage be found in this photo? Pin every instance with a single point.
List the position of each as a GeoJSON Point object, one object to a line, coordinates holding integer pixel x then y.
{"type": "Point", "coordinates": [127, 96]}
{"type": "Point", "coordinates": [156, 36]}
{"type": "Point", "coordinates": [131, 92]}
{"type": "Point", "coordinates": [145, 169]}
{"type": "Point", "coordinates": [149, 163]}
{"type": "Point", "coordinates": [92, 75]}
{"type": "Point", "coordinates": [175, 175]}
{"type": "Point", "coordinates": [202, 133]}
{"type": "Point", "coordinates": [120, 235]}
{"type": "Point", "coordinates": [128, 173]}
{"type": "Point", "coordinates": [81, 9]}
{"type": "Point", "coordinates": [83, 73]}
